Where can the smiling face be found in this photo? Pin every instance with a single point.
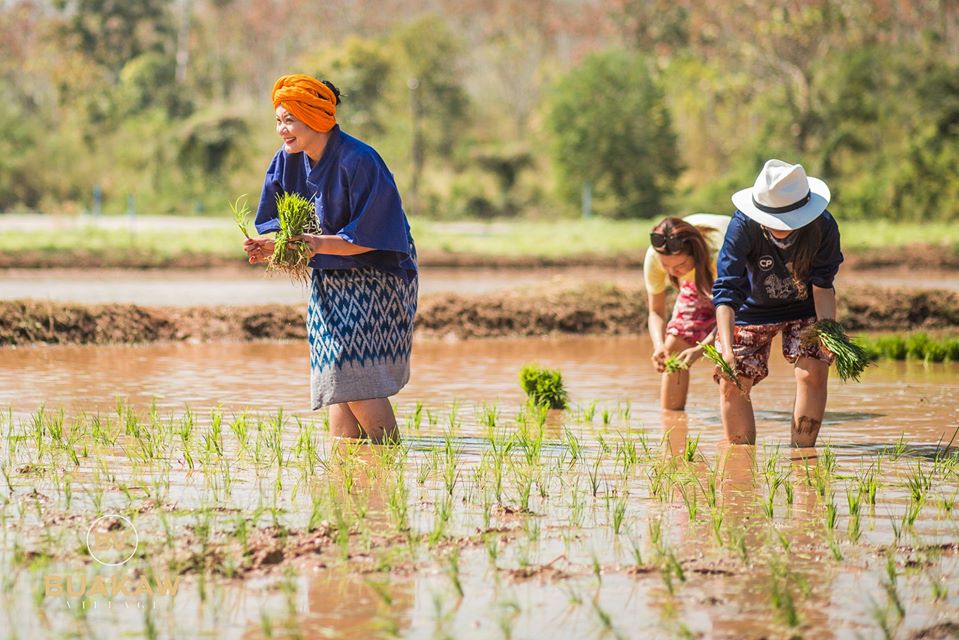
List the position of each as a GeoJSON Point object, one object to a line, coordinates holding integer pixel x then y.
{"type": "Point", "coordinates": [297, 136]}
{"type": "Point", "coordinates": [677, 264]}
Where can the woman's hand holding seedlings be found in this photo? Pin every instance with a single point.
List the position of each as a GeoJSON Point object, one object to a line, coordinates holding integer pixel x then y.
{"type": "Point", "coordinates": [258, 249]}
{"type": "Point", "coordinates": [659, 358]}
{"type": "Point", "coordinates": [690, 355]}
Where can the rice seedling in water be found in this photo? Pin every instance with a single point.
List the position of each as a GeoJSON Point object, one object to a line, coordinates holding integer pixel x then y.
{"type": "Point", "coordinates": [712, 353]}
{"type": "Point", "coordinates": [453, 570]}
{"type": "Point", "coordinates": [290, 256]}
{"type": "Point", "coordinates": [689, 450]}
{"type": "Point", "coordinates": [619, 513]}
{"type": "Point", "coordinates": [543, 387]}
{"type": "Point", "coordinates": [673, 364]}
{"type": "Point", "coordinates": [782, 599]}
{"type": "Point", "coordinates": [589, 412]}
{"type": "Point", "coordinates": [891, 587]}
{"type": "Point", "coordinates": [851, 358]}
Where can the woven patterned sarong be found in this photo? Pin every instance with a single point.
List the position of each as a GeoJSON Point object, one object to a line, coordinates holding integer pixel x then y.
{"type": "Point", "coordinates": [360, 328]}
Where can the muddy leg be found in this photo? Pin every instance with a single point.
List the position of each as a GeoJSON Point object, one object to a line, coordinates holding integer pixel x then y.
{"type": "Point", "coordinates": [675, 386]}
{"type": "Point", "coordinates": [343, 424]}
{"type": "Point", "coordinates": [736, 410]}
{"type": "Point", "coordinates": [812, 376]}
{"type": "Point", "coordinates": [376, 418]}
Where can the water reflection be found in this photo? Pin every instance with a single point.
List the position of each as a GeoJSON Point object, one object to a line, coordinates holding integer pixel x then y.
{"type": "Point", "coordinates": [894, 397]}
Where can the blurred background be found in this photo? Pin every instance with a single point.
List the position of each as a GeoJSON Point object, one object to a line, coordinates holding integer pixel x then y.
{"type": "Point", "coordinates": [495, 109]}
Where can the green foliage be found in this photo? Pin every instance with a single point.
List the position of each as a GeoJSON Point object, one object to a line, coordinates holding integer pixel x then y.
{"type": "Point", "coordinates": [612, 129]}
{"type": "Point", "coordinates": [168, 104]}
{"type": "Point", "coordinates": [543, 387]}
{"type": "Point", "coordinates": [361, 67]}
{"type": "Point", "coordinates": [112, 33]}
{"type": "Point", "coordinates": [430, 55]}
{"type": "Point", "coordinates": [917, 346]}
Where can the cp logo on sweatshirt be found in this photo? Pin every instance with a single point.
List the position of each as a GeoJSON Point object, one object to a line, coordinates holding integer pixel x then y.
{"type": "Point", "coordinates": [766, 263]}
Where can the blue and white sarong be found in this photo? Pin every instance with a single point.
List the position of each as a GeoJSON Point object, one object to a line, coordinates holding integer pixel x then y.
{"type": "Point", "coordinates": [360, 328]}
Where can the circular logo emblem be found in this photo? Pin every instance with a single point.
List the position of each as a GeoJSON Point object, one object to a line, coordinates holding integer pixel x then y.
{"type": "Point", "coordinates": [112, 539]}
{"type": "Point", "coordinates": [766, 263]}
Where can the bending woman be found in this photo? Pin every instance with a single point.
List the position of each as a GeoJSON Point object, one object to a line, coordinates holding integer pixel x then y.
{"type": "Point", "coordinates": [682, 253]}
{"type": "Point", "coordinates": [364, 280]}
{"type": "Point", "coordinates": [776, 272]}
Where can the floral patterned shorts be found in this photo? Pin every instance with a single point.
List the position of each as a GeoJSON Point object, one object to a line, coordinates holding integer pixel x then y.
{"type": "Point", "coordinates": [693, 316]}
{"type": "Point", "coordinates": [752, 344]}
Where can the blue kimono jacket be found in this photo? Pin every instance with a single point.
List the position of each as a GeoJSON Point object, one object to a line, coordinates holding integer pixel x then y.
{"type": "Point", "coordinates": [356, 198]}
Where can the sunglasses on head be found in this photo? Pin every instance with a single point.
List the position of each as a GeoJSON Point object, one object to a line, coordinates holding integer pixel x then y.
{"type": "Point", "coordinates": [672, 244]}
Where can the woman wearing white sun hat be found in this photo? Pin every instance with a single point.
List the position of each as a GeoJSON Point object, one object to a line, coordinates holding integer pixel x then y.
{"type": "Point", "coordinates": [775, 275]}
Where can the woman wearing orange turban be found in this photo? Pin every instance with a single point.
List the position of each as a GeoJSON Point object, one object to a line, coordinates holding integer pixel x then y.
{"type": "Point", "coordinates": [364, 283]}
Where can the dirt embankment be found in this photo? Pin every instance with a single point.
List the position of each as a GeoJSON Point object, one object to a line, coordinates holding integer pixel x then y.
{"type": "Point", "coordinates": [604, 310]}
{"type": "Point", "coordinates": [928, 257]}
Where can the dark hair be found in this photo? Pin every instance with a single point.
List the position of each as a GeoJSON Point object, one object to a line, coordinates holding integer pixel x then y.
{"type": "Point", "coordinates": [332, 87]}
{"type": "Point", "coordinates": [695, 245]}
{"type": "Point", "coordinates": [808, 239]}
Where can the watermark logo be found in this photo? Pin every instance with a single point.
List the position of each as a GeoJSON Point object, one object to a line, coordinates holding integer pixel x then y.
{"type": "Point", "coordinates": [112, 540]}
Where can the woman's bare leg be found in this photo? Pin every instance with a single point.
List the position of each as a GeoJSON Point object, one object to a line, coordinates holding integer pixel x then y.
{"type": "Point", "coordinates": [812, 376]}
{"type": "Point", "coordinates": [736, 410]}
{"type": "Point", "coordinates": [376, 419]}
{"type": "Point", "coordinates": [675, 386]}
{"type": "Point", "coordinates": [343, 424]}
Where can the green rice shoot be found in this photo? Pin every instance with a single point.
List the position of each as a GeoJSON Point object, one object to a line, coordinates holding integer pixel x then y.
{"type": "Point", "coordinates": [711, 352]}
{"type": "Point", "coordinates": [673, 364]}
{"type": "Point", "coordinates": [294, 213]}
{"type": "Point", "coordinates": [242, 214]}
{"type": "Point", "coordinates": [543, 387]}
{"type": "Point", "coordinates": [851, 359]}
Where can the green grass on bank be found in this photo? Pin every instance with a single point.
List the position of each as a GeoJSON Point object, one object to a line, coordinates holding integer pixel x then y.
{"type": "Point", "coordinates": [169, 237]}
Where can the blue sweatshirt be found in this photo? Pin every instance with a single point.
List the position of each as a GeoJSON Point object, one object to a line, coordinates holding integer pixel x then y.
{"type": "Point", "coordinates": [753, 274]}
{"type": "Point", "coordinates": [356, 198]}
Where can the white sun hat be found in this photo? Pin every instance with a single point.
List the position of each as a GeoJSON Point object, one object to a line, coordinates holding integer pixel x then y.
{"type": "Point", "coordinates": [783, 197]}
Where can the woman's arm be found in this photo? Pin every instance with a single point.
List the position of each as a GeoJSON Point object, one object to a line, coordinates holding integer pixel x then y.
{"type": "Point", "coordinates": [825, 301]}
{"type": "Point", "coordinates": [656, 324]}
{"type": "Point", "coordinates": [331, 245]}
{"type": "Point", "coordinates": [725, 321]}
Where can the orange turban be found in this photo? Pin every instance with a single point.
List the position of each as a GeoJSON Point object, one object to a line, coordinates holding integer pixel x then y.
{"type": "Point", "coordinates": [308, 99]}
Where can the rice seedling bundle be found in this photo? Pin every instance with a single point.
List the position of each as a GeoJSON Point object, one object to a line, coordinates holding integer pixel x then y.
{"type": "Point", "coordinates": [543, 387]}
{"type": "Point", "coordinates": [294, 213]}
{"type": "Point", "coordinates": [851, 359]}
{"type": "Point", "coordinates": [727, 371]}
{"type": "Point", "coordinates": [242, 214]}
{"type": "Point", "coordinates": [674, 364]}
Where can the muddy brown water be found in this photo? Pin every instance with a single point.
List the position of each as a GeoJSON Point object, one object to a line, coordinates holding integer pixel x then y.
{"type": "Point", "coordinates": [246, 286]}
{"type": "Point", "coordinates": [839, 599]}
{"type": "Point", "coordinates": [895, 397]}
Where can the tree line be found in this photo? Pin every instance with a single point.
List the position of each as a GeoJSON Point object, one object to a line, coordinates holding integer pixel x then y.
{"type": "Point", "coordinates": [487, 108]}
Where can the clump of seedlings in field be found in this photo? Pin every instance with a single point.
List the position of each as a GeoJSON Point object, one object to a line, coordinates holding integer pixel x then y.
{"type": "Point", "coordinates": [543, 387]}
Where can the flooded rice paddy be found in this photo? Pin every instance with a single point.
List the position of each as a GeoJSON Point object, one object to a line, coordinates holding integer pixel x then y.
{"type": "Point", "coordinates": [247, 286]}
{"type": "Point", "coordinates": [492, 519]}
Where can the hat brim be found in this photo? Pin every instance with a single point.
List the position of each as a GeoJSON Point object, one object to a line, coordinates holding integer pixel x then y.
{"type": "Point", "coordinates": [818, 201]}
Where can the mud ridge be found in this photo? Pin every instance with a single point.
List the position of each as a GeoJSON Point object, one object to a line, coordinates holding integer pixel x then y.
{"type": "Point", "coordinates": [593, 310]}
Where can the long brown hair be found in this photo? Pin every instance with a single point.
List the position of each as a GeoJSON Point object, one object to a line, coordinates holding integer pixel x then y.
{"type": "Point", "coordinates": [808, 239]}
{"type": "Point", "coordinates": [695, 245]}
